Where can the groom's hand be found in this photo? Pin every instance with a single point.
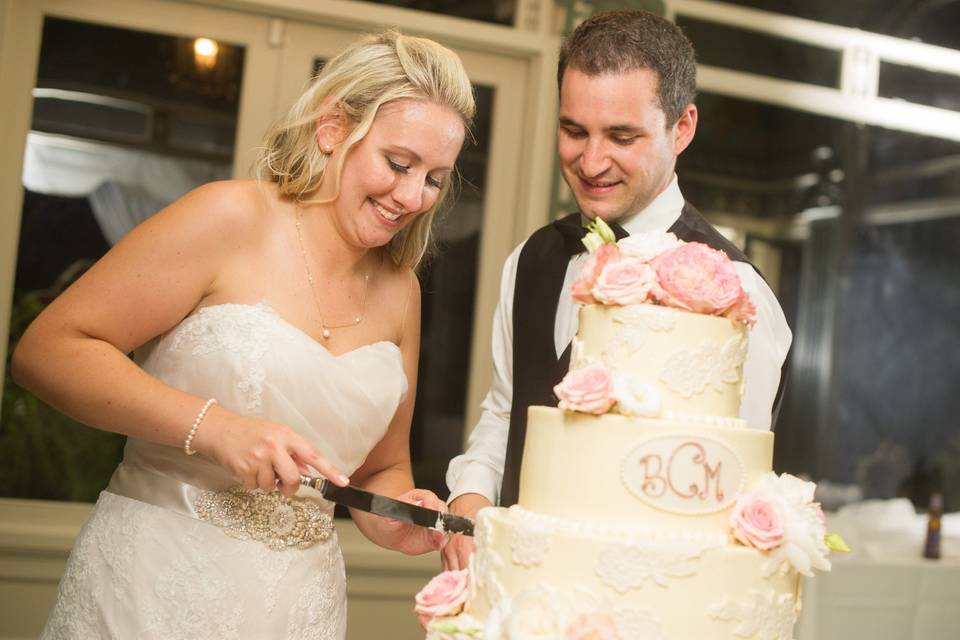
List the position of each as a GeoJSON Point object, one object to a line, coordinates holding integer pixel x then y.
{"type": "Point", "coordinates": [456, 553]}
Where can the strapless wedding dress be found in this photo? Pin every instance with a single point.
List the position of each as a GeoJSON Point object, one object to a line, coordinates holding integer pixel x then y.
{"type": "Point", "coordinates": [174, 549]}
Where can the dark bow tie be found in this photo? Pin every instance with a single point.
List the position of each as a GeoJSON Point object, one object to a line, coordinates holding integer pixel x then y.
{"type": "Point", "coordinates": [573, 233]}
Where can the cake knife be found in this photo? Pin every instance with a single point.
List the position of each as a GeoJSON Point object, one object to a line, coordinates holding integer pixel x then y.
{"type": "Point", "coordinates": [389, 508]}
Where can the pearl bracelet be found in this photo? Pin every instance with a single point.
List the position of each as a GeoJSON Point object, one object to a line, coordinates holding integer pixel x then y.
{"type": "Point", "coordinates": [196, 423]}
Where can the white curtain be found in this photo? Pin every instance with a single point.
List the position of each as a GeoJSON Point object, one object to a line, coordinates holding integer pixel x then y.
{"type": "Point", "coordinates": [124, 186]}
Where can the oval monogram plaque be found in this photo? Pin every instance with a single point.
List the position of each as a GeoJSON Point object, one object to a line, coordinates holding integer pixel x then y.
{"type": "Point", "coordinates": [684, 474]}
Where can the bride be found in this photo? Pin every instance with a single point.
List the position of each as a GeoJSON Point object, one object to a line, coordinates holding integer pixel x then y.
{"type": "Point", "coordinates": [275, 326]}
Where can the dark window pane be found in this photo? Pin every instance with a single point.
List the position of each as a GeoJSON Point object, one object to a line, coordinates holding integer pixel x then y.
{"type": "Point", "coordinates": [908, 167]}
{"type": "Point", "coordinates": [497, 11]}
{"type": "Point", "coordinates": [931, 22]}
{"type": "Point", "coordinates": [916, 85]}
{"type": "Point", "coordinates": [449, 296]}
{"type": "Point", "coordinates": [759, 160]}
{"type": "Point", "coordinates": [83, 114]}
{"type": "Point", "coordinates": [897, 363]}
{"type": "Point", "coordinates": [743, 50]}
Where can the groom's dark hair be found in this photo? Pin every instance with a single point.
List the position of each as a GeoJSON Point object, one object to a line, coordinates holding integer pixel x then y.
{"type": "Point", "coordinates": [623, 41]}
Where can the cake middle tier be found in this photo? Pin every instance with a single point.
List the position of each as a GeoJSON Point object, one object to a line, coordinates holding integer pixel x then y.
{"type": "Point", "coordinates": [616, 469]}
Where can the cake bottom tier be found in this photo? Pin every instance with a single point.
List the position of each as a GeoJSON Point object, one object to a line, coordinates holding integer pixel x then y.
{"type": "Point", "coordinates": [537, 576]}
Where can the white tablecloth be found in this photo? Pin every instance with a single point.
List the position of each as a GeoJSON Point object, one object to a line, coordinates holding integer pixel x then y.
{"type": "Point", "coordinates": [884, 589]}
{"type": "Point", "coordinates": [882, 600]}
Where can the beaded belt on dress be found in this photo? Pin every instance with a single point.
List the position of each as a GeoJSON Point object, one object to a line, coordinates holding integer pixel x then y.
{"type": "Point", "coordinates": [272, 519]}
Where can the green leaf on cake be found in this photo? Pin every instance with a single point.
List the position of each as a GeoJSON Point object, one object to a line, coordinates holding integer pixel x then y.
{"type": "Point", "coordinates": [836, 543]}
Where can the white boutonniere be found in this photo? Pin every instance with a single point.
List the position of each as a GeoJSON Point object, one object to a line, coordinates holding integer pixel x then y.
{"type": "Point", "coordinates": [598, 233]}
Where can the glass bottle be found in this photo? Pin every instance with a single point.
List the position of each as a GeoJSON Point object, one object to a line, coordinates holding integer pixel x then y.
{"type": "Point", "coordinates": [932, 547]}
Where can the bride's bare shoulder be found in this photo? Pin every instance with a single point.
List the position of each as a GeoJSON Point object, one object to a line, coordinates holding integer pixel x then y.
{"type": "Point", "coordinates": [228, 209]}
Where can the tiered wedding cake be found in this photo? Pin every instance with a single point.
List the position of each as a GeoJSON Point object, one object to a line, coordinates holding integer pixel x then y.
{"type": "Point", "coordinates": [647, 508]}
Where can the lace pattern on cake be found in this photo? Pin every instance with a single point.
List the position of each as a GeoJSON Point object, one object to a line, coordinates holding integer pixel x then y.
{"type": "Point", "coordinates": [485, 565]}
{"type": "Point", "coordinates": [639, 624]}
{"type": "Point", "coordinates": [613, 533]}
{"type": "Point", "coordinates": [628, 566]}
{"type": "Point", "coordinates": [544, 611]}
{"type": "Point", "coordinates": [689, 372]}
{"type": "Point", "coordinates": [528, 546]}
{"type": "Point", "coordinates": [635, 324]}
{"type": "Point", "coordinates": [652, 317]}
{"type": "Point", "coordinates": [238, 329]}
{"type": "Point", "coordinates": [273, 519]}
{"type": "Point", "coordinates": [767, 616]}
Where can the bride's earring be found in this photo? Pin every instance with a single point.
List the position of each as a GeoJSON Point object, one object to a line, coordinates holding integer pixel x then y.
{"type": "Point", "coordinates": [327, 149]}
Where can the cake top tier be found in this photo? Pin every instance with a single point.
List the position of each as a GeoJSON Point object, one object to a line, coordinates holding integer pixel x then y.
{"type": "Point", "coordinates": [658, 268]}
{"type": "Point", "coordinates": [663, 329]}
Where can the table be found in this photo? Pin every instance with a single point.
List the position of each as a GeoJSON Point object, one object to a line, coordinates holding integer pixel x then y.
{"type": "Point", "coordinates": [884, 592]}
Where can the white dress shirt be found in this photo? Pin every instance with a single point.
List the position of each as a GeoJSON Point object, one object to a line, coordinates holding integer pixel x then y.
{"type": "Point", "coordinates": [480, 468]}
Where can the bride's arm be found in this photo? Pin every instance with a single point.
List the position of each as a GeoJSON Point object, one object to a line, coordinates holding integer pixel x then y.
{"type": "Point", "coordinates": [74, 355]}
{"type": "Point", "coordinates": [387, 469]}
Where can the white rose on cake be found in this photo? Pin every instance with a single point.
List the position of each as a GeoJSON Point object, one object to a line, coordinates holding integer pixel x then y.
{"type": "Point", "coordinates": [647, 246]}
{"type": "Point", "coordinates": [636, 398]}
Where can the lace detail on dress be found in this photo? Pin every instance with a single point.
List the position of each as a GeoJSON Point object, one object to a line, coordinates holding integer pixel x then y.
{"type": "Point", "coordinates": [194, 597]}
{"type": "Point", "coordinates": [272, 568]}
{"type": "Point", "coordinates": [236, 328]}
{"type": "Point", "coordinates": [767, 617]}
{"type": "Point", "coordinates": [271, 518]}
{"type": "Point", "coordinates": [102, 559]}
{"type": "Point", "coordinates": [321, 609]}
{"type": "Point", "coordinates": [689, 372]}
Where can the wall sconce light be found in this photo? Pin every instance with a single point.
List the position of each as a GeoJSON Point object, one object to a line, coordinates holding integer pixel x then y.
{"type": "Point", "coordinates": [205, 53]}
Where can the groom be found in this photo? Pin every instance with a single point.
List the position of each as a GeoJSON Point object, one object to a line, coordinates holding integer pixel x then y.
{"type": "Point", "coordinates": [627, 83]}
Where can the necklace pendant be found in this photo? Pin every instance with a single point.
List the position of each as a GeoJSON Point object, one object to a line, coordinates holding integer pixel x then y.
{"type": "Point", "coordinates": [325, 333]}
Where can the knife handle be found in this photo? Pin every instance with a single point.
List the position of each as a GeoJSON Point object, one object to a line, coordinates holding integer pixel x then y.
{"type": "Point", "coordinates": [314, 482]}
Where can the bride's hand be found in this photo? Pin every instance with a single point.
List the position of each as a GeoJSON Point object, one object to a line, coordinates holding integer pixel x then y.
{"type": "Point", "coordinates": [261, 454]}
{"type": "Point", "coordinates": [410, 539]}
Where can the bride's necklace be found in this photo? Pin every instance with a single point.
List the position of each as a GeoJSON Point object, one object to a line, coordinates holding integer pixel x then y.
{"type": "Point", "coordinates": [324, 327]}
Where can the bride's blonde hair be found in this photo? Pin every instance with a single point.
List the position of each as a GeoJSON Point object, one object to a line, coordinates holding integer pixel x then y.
{"type": "Point", "coordinates": [375, 70]}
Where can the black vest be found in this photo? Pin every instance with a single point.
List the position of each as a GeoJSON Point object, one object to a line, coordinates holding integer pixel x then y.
{"type": "Point", "coordinates": [536, 370]}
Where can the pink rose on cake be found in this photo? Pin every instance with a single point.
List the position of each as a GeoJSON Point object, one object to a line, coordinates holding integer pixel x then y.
{"type": "Point", "coordinates": [743, 311]}
{"type": "Point", "coordinates": [697, 278]}
{"type": "Point", "coordinates": [647, 246]}
{"type": "Point", "coordinates": [444, 595]}
{"type": "Point", "coordinates": [779, 517]}
{"type": "Point", "coordinates": [583, 287]}
{"type": "Point", "coordinates": [757, 522]}
{"type": "Point", "coordinates": [592, 626]}
{"type": "Point", "coordinates": [588, 390]}
{"type": "Point", "coordinates": [626, 281]}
